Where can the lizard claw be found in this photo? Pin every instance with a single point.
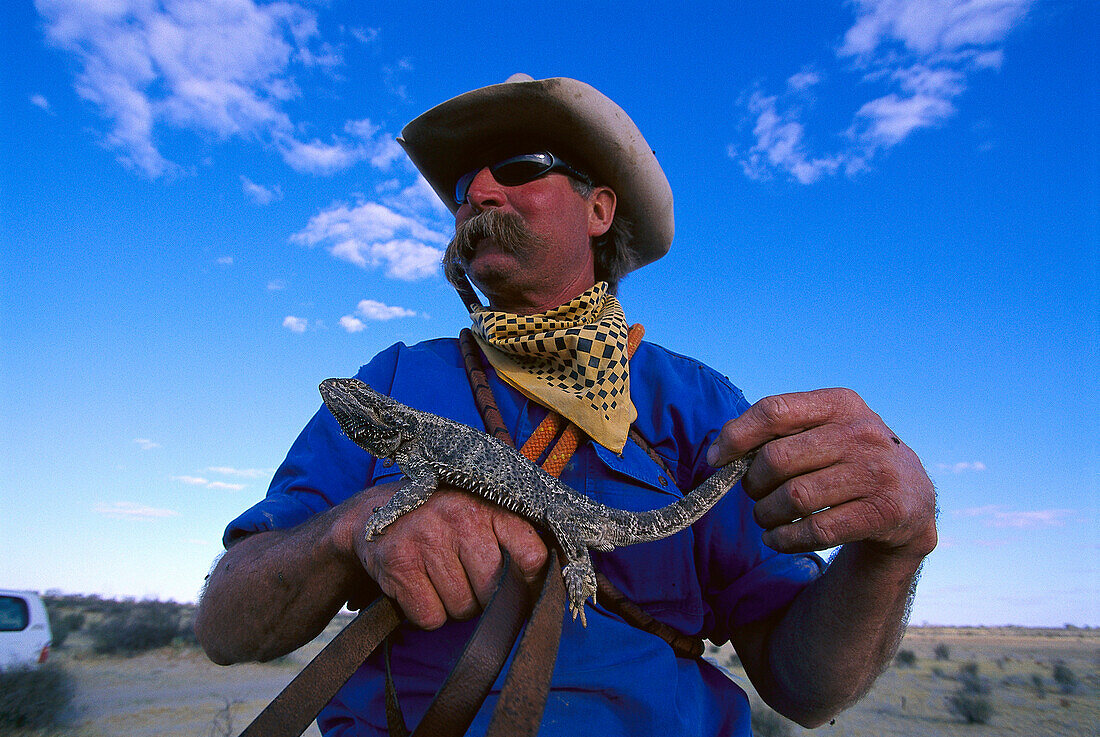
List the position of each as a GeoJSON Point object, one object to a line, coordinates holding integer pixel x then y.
{"type": "Point", "coordinates": [580, 585]}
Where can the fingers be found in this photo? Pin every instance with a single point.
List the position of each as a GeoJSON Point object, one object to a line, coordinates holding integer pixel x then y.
{"type": "Point", "coordinates": [781, 415]}
{"type": "Point", "coordinates": [523, 543]}
{"type": "Point", "coordinates": [442, 561]}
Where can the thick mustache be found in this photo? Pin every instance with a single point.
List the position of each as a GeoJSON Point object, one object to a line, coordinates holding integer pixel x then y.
{"type": "Point", "coordinates": [506, 229]}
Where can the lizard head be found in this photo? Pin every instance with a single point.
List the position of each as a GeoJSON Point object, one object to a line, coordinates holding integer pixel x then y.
{"type": "Point", "coordinates": [375, 422]}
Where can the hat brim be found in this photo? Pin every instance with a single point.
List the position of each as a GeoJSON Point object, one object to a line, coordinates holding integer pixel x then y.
{"type": "Point", "coordinates": [568, 117]}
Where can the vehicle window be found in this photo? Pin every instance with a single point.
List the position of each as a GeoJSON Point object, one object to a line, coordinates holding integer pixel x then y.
{"type": "Point", "coordinates": [14, 616]}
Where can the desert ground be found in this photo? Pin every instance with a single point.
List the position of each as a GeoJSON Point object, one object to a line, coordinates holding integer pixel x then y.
{"type": "Point", "coordinates": [176, 692]}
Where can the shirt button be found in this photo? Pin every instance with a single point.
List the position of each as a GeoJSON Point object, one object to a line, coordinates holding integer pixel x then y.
{"type": "Point", "coordinates": [663, 481]}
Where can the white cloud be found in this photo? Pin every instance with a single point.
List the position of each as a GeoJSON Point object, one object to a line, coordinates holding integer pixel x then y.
{"type": "Point", "coordinates": [373, 235]}
{"type": "Point", "coordinates": [317, 157]}
{"type": "Point", "coordinates": [918, 53]}
{"type": "Point", "coordinates": [803, 80]}
{"type": "Point", "coordinates": [373, 310]}
{"type": "Point", "coordinates": [146, 443]}
{"type": "Point", "coordinates": [224, 485]}
{"type": "Point", "coordinates": [248, 473]}
{"type": "Point", "coordinates": [276, 285]}
{"type": "Point", "coordinates": [961, 467]}
{"type": "Point", "coordinates": [352, 324]}
{"type": "Point", "coordinates": [260, 194]}
{"type": "Point", "coordinates": [40, 102]}
{"type": "Point", "coordinates": [132, 510]}
{"type": "Point", "coordinates": [997, 516]}
{"type": "Point", "coordinates": [222, 69]}
{"type": "Point", "coordinates": [225, 261]}
{"type": "Point", "coordinates": [191, 480]}
{"type": "Point", "coordinates": [295, 324]}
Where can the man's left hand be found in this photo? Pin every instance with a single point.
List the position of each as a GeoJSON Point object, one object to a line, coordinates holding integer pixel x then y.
{"type": "Point", "coordinates": [830, 472]}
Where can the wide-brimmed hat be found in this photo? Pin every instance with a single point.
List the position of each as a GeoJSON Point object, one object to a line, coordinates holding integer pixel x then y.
{"type": "Point", "coordinates": [567, 117]}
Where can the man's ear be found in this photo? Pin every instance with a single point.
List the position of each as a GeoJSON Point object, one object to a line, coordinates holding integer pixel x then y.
{"type": "Point", "coordinates": [601, 211]}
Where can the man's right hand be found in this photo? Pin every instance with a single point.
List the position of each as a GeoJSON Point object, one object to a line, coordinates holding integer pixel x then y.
{"type": "Point", "coordinates": [441, 560]}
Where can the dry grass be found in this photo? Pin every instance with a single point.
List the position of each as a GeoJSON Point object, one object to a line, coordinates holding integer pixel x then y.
{"type": "Point", "coordinates": [914, 700]}
{"type": "Point", "coordinates": [176, 692]}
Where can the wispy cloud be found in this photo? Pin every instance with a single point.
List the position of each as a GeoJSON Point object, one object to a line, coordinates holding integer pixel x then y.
{"type": "Point", "coordinates": [207, 483]}
{"type": "Point", "coordinates": [917, 55]}
{"type": "Point", "coordinates": [225, 261]}
{"type": "Point", "coordinates": [276, 285]}
{"type": "Point", "coordinates": [222, 69]}
{"type": "Point", "coordinates": [41, 102]}
{"type": "Point", "coordinates": [373, 310]}
{"type": "Point", "coordinates": [260, 194]}
{"type": "Point", "coordinates": [224, 485]}
{"type": "Point", "coordinates": [369, 309]}
{"type": "Point", "coordinates": [146, 443]}
{"type": "Point", "coordinates": [961, 467]}
{"type": "Point", "coordinates": [995, 515]}
{"type": "Point", "coordinates": [295, 324]}
{"type": "Point", "coordinates": [133, 510]}
{"type": "Point", "coordinates": [248, 473]}
{"type": "Point", "coordinates": [372, 235]}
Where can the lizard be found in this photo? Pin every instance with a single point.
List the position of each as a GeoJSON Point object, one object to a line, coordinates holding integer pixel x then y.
{"type": "Point", "coordinates": [430, 449]}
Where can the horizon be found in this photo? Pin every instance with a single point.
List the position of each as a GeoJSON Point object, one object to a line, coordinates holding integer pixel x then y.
{"type": "Point", "coordinates": [204, 213]}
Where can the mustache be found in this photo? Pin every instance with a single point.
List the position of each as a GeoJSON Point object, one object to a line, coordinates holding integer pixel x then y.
{"type": "Point", "coordinates": [506, 229]}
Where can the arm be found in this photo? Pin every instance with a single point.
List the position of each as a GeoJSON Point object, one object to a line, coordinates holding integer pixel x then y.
{"type": "Point", "coordinates": [829, 472]}
{"type": "Point", "coordinates": [274, 591]}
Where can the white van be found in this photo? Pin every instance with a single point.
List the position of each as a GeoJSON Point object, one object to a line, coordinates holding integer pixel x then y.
{"type": "Point", "coordinates": [24, 629]}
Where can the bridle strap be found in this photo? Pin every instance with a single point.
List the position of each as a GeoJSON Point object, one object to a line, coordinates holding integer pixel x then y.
{"type": "Point", "coordinates": [292, 711]}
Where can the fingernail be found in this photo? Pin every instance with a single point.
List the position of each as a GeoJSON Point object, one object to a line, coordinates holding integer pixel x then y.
{"type": "Point", "coordinates": [712, 455]}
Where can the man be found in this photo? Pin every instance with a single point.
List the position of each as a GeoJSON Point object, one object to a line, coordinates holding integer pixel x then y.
{"type": "Point", "coordinates": [556, 195]}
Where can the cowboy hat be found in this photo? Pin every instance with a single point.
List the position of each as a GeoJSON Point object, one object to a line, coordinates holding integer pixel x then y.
{"type": "Point", "coordinates": [567, 117]}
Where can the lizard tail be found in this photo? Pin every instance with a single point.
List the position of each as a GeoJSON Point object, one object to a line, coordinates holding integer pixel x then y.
{"type": "Point", "coordinates": [627, 528]}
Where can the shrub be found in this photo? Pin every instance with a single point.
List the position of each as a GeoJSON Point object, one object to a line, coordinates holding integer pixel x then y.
{"type": "Point", "coordinates": [905, 659]}
{"type": "Point", "coordinates": [973, 708]}
{"type": "Point", "coordinates": [970, 681]}
{"type": "Point", "coordinates": [34, 697]}
{"type": "Point", "coordinates": [62, 625]}
{"type": "Point", "coordinates": [942, 652]}
{"type": "Point", "coordinates": [766, 723]}
{"type": "Point", "coordinates": [147, 625]}
{"type": "Point", "coordinates": [1065, 678]}
{"type": "Point", "coordinates": [1040, 686]}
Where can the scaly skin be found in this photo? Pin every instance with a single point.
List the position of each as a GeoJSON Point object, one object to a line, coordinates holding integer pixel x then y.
{"type": "Point", "coordinates": [431, 449]}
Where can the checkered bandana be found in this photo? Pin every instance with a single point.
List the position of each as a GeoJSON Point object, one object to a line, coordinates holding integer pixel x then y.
{"type": "Point", "coordinates": [572, 359]}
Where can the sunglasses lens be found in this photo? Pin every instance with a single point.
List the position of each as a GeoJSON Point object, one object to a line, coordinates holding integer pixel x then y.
{"type": "Point", "coordinates": [521, 170]}
{"type": "Point", "coordinates": [510, 172]}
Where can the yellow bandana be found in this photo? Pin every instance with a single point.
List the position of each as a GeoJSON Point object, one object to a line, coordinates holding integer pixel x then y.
{"type": "Point", "coordinates": [572, 359]}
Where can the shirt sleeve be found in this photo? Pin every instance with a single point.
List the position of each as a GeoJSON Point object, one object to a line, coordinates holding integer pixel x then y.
{"type": "Point", "coordinates": [742, 579]}
{"type": "Point", "coordinates": [322, 468]}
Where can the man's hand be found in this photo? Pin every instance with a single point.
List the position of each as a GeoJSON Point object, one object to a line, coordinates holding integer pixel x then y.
{"type": "Point", "coordinates": [830, 472]}
{"type": "Point", "coordinates": [441, 560]}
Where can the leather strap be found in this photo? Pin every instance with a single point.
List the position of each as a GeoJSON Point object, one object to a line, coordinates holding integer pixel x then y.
{"type": "Point", "coordinates": [609, 596]}
{"type": "Point", "coordinates": [456, 703]}
{"type": "Point", "coordinates": [298, 704]}
{"type": "Point", "coordinates": [523, 697]}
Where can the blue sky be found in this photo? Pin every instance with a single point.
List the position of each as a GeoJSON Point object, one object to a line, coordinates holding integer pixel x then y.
{"type": "Point", "coordinates": [203, 214]}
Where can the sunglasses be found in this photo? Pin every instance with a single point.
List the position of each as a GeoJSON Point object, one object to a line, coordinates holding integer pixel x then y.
{"type": "Point", "coordinates": [518, 170]}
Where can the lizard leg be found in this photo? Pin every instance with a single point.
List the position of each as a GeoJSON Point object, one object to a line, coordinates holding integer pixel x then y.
{"type": "Point", "coordinates": [407, 498]}
{"type": "Point", "coordinates": [578, 574]}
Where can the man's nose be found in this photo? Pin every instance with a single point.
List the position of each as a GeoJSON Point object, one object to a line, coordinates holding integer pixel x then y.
{"type": "Point", "coordinates": [485, 191]}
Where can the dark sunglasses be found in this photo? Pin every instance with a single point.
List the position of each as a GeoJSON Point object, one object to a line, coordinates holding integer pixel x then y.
{"type": "Point", "coordinates": [518, 170]}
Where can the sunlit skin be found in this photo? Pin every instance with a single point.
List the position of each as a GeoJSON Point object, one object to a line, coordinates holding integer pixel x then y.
{"type": "Point", "coordinates": [538, 279]}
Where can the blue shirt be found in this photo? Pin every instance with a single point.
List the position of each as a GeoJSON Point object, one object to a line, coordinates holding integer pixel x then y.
{"type": "Point", "coordinates": [610, 677]}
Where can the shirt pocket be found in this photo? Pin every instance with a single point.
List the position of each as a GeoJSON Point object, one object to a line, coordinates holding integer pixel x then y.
{"type": "Point", "coordinates": [659, 576]}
